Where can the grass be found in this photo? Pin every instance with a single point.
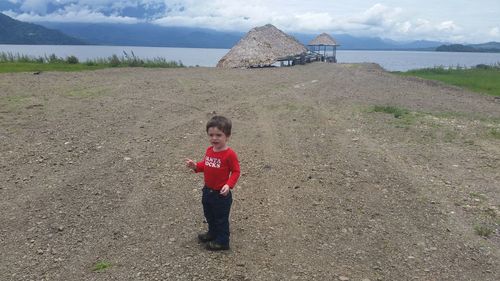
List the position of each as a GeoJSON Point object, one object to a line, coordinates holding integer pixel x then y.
{"type": "Point", "coordinates": [13, 102]}
{"type": "Point", "coordinates": [22, 63]}
{"type": "Point", "coordinates": [483, 230]}
{"type": "Point", "coordinates": [398, 112]}
{"type": "Point", "coordinates": [481, 78]}
{"type": "Point", "coordinates": [89, 92]}
{"type": "Point", "coordinates": [101, 266]}
{"type": "Point", "coordinates": [441, 125]}
{"type": "Point", "coordinates": [495, 133]}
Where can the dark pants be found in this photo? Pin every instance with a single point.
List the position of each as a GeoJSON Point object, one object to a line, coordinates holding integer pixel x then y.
{"type": "Point", "coordinates": [216, 209]}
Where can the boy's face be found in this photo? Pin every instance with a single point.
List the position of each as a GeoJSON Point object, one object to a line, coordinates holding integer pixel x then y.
{"type": "Point", "coordinates": [217, 138]}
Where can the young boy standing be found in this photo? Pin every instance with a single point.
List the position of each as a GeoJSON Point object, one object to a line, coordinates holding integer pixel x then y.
{"type": "Point", "coordinates": [221, 171]}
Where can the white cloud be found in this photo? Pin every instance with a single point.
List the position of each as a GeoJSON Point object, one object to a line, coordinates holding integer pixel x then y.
{"type": "Point", "coordinates": [404, 21]}
{"type": "Point", "coordinates": [494, 32]}
{"type": "Point", "coordinates": [379, 15]}
{"type": "Point", "coordinates": [70, 13]}
{"type": "Point", "coordinates": [35, 6]}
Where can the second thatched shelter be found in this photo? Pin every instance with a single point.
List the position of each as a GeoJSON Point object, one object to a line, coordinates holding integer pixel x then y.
{"type": "Point", "coordinates": [262, 46]}
{"type": "Point", "coordinates": [324, 45]}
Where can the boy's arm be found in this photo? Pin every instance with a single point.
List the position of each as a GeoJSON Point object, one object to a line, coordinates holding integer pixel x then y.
{"type": "Point", "coordinates": [196, 167]}
{"type": "Point", "coordinates": [200, 167]}
{"type": "Point", "coordinates": [234, 167]}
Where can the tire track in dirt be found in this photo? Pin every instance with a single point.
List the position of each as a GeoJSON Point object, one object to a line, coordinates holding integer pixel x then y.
{"type": "Point", "coordinates": [323, 194]}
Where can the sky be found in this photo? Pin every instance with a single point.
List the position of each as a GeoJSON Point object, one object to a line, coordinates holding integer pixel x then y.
{"type": "Point", "coordinates": [457, 21]}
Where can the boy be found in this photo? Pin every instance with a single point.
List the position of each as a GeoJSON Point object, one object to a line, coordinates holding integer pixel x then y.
{"type": "Point", "coordinates": [221, 171]}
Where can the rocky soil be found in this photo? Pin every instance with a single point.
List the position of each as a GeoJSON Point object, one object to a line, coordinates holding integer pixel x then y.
{"type": "Point", "coordinates": [92, 173]}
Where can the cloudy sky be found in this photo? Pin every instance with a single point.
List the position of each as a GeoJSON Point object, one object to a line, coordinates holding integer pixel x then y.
{"type": "Point", "coordinates": [461, 21]}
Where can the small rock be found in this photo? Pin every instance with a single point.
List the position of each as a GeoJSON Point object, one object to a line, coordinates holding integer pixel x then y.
{"type": "Point", "coordinates": [343, 278]}
{"type": "Point", "coordinates": [39, 251]}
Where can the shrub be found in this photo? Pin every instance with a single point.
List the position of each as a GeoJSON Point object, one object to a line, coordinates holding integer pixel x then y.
{"type": "Point", "coordinates": [72, 60]}
{"type": "Point", "coordinates": [114, 61]}
{"type": "Point", "coordinates": [53, 59]}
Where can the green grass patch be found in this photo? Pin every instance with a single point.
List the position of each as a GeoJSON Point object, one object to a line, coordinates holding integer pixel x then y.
{"type": "Point", "coordinates": [396, 111]}
{"type": "Point", "coordinates": [101, 266]}
{"type": "Point", "coordinates": [86, 92]}
{"type": "Point", "coordinates": [482, 79]}
{"type": "Point", "coordinates": [483, 230]}
{"type": "Point", "coordinates": [14, 102]}
{"type": "Point", "coordinates": [22, 63]}
{"type": "Point", "coordinates": [495, 133]}
{"type": "Point", "coordinates": [444, 126]}
{"type": "Point", "coordinates": [8, 67]}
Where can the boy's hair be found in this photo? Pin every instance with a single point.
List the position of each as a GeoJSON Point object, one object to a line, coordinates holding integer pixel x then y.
{"type": "Point", "coordinates": [221, 123]}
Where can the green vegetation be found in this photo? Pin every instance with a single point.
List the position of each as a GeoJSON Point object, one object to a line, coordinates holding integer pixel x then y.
{"type": "Point", "coordinates": [495, 133]}
{"type": "Point", "coordinates": [444, 126]}
{"type": "Point", "coordinates": [17, 32]}
{"type": "Point", "coordinates": [481, 78]}
{"type": "Point", "coordinates": [491, 47]}
{"type": "Point", "coordinates": [101, 266]}
{"type": "Point", "coordinates": [396, 111]}
{"type": "Point", "coordinates": [22, 63]}
{"type": "Point", "coordinates": [483, 230]}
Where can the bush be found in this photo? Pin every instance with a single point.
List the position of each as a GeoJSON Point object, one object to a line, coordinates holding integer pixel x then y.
{"type": "Point", "coordinates": [53, 59]}
{"type": "Point", "coordinates": [72, 60]}
{"type": "Point", "coordinates": [114, 61]}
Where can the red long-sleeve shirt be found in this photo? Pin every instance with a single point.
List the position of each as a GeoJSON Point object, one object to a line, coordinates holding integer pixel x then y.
{"type": "Point", "coordinates": [219, 168]}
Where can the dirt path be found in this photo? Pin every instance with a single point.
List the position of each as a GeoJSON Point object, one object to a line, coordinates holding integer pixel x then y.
{"type": "Point", "coordinates": [91, 169]}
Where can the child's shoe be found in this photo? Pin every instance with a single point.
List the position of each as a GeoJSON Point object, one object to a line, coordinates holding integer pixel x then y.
{"type": "Point", "coordinates": [205, 237]}
{"type": "Point", "coordinates": [214, 246]}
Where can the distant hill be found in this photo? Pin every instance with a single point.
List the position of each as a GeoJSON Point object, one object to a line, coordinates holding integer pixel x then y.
{"type": "Point", "coordinates": [490, 47]}
{"type": "Point", "coordinates": [17, 32]}
{"type": "Point", "coordinates": [349, 42]}
{"type": "Point", "coordinates": [147, 35]}
{"type": "Point", "coordinates": [158, 36]}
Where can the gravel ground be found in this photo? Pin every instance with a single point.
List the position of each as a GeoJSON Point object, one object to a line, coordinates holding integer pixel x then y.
{"type": "Point", "coordinates": [92, 171]}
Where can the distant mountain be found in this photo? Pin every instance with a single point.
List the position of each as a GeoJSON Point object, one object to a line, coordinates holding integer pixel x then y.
{"type": "Point", "coordinates": [147, 35]}
{"type": "Point", "coordinates": [349, 42]}
{"type": "Point", "coordinates": [187, 37]}
{"type": "Point", "coordinates": [490, 47]}
{"type": "Point", "coordinates": [487, 46]}
{"type": "Point", "coordinates": [17, 32]}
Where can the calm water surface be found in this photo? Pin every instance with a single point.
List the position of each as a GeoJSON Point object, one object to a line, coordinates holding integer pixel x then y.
{"type": "Point", "coordinates": [390, 60]}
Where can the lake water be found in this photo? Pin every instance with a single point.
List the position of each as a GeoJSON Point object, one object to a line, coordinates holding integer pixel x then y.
{"type": "Point", "coordinates": [390, 60]}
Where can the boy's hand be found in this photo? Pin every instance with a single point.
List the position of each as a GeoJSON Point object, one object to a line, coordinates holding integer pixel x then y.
{"type": "Point", "coordinates": [225, 190]}
{"type": "Point", "coordinates": [190, 164]}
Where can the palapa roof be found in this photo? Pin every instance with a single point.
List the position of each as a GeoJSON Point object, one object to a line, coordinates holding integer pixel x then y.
{"type": "Point", "coordinates": [261, 46]}
{"type": "Point", "coordinates": [323, 39]}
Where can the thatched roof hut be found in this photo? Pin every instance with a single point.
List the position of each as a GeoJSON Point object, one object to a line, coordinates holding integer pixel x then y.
{"type": "Point", "coordinates": [262, 46]}
{"type": "Point", "coordinates": [323, 39]}
{"type": "Point", "coordinates": [324, 45]}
